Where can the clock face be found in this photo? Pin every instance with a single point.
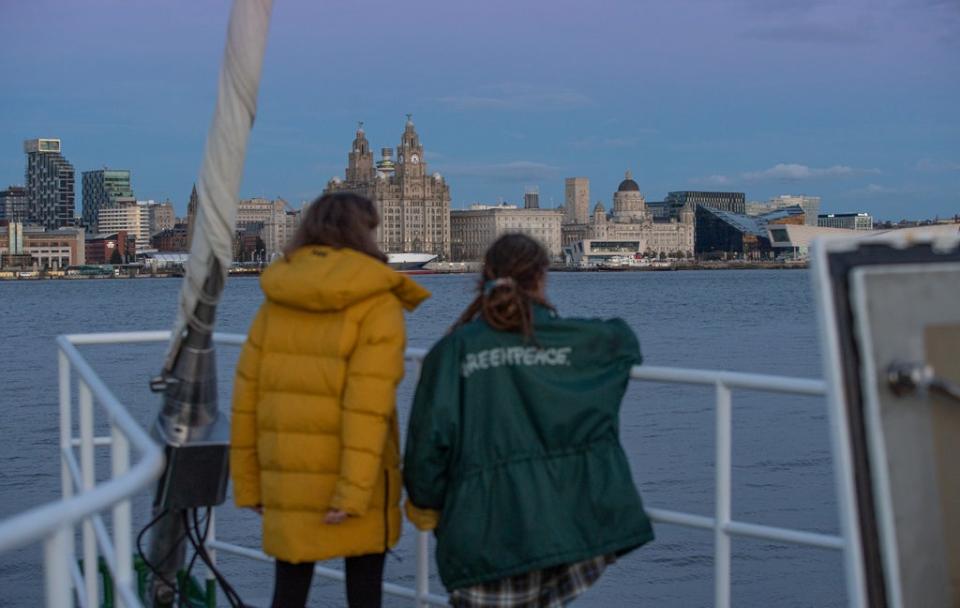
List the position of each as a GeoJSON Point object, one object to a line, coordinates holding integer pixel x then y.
{"type": "Point", "coordinates": [414, 159]}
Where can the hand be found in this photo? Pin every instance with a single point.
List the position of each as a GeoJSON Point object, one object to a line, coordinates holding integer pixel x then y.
{"type": "Point", "coordinates": [257, 509]}
{"type": "Point", "coordinates": [334, 517]}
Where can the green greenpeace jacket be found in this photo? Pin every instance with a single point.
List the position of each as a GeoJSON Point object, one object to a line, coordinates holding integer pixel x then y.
{"type": "Point", "coordinates": [517, 446]}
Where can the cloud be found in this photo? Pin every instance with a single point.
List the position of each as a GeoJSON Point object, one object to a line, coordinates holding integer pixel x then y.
{"type": "Point", "coordinates": [929, 165]}
{"type": "Point", "coordinates": [517, 97]}
{"type": "Point", "coordinates": [796, 172]}
{"type": "Point", "coordinates": [786, 172]}
{"type": "Point", "coordinates": [515, 171]}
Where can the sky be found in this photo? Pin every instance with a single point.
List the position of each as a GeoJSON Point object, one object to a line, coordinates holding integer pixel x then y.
{"type": "Point", "coordinates": [855, 101]}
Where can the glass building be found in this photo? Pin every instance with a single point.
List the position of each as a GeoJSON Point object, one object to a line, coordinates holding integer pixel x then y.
{"type": "Point", "coordinates": [104, 188]}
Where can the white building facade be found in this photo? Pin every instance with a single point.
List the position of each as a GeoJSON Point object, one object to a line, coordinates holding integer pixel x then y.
{"type": "Point", "coordinates": [473, 230]}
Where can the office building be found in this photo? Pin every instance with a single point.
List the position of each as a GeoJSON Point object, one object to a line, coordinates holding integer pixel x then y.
{"type": "Point", "coordinates": [13, 204]}
{"type": "Point", "coordinates": [104, 188]}
{"type": "Point", "coordinates": [50, 184]}
{"type": "Point", "coordinates": [809, 204]}
{"type": "Point", "coordinates": [576, 200]}
{"type": "Point", "coordinates": [850, 221]}
{"type": "Point", "coordinates": [735, 202]}
{"type": "Point", "coordinates": [473, 230]}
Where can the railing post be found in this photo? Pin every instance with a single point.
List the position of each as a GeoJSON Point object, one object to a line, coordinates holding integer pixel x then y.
{"type": "Point", "coordinates": [88, 476]}
{"type": "Point", "coordinates": [122, 541]}
{"type": "Point", "coordinates": [56, 568]}
{"type": "Point", "coordinates": [423, 568]}
{"type": "Point", "coordinates": [721, 539]}
{"type": "Point", "coordinates": [66, 437]}
{"type": "Point", "coordinates": [211, 538]}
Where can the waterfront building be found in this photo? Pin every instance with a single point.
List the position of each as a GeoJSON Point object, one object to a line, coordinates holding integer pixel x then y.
{"type": "Point", "coordinates": [809, 204]}
{"type": "Point", "coordinates": [608, 253]}
{"type": "Point", "coordinates": [111, 248]}
{"type": "Point", "coordinates": [793, 241]}
{"type": "Point", "coordinates": [576, 200]}
{"type": "Point", "coordinates": [155, 217]}
{"type": "Point", "coordinates": [850, 221]}
{"type": "Point", "coordinates": [631, 221]}
{"type": "Point", "coordinates": [473, 230]}
{"type": "Point", "coordinates": [13, 204]}
{"type": "Point", "coordinates": [259, 211]}
{"type": "Point", "coordinates": [172, 240]}
{"type": "Point", "coordinates": [724, 234]}
{"type": "Point", "coordinates": [278, 231]}
{"type": "Point", "coordinates": [104, 188]}
{"type": "Point", "coordinates": [414, 206]}
{"type": "Point", "coordinates": [45, 249]}
{"type": "Point", "coordinates": [531, 199]}
{"type": "Point", "coordinates": [50, 184]}
{"type": "Point", "coordinates": [124, 216]}
{"type": "Point", "coordinates": [734, 202]}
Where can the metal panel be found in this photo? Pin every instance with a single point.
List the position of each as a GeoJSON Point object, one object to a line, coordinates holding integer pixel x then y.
{"type": "Point", "coordinates": [893, 305]}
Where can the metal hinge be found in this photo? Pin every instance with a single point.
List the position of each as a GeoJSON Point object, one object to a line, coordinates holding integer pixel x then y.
{"type": "Point", "coordinates": [907, 378]}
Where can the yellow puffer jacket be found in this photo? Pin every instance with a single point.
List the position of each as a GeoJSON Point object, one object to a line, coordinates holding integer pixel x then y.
{"type": "Point", "coordinates": [314, 419]}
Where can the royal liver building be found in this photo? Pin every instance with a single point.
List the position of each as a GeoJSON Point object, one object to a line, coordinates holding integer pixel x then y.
{"type": "Point", "coordinates": [414, 206]}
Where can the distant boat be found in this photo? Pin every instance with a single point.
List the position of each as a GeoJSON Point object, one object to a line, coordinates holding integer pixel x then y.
{"type": "Point", "coordinates": [409, 261]}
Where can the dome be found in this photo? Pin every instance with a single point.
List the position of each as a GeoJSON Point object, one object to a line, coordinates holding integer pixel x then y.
{"type": "Point", "coordinates": [628, 185]}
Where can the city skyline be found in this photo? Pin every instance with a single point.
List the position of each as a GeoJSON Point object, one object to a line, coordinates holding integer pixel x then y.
{"type": "Point", "coordinates": [829, 99]}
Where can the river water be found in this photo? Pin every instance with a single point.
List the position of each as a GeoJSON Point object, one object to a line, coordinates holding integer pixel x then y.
{"type": "Point", "coordinates": [758, 321]}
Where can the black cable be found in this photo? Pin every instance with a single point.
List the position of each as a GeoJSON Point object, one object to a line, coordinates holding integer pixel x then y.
{"type": "Point", "coordinates": [143, 557]}
{"type": "Point", "coordinates": [232, 596]}
{"type": "Point", "coordinates": [193, 559]}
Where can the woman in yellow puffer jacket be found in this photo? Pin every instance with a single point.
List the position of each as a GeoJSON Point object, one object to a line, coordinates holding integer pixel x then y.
{"type": "Point", "coordinates": [315, 442]}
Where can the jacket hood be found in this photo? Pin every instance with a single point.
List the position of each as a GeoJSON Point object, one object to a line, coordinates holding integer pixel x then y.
{"type": "Point", "coordinates": [320, 278]}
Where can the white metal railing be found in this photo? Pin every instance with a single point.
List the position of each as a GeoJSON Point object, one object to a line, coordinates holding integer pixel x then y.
{"type": "Point", "coordinates": [54, 523]}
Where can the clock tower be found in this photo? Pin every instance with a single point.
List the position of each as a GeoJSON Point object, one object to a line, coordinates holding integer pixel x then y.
{"type": "Point", "coordinates": [410, 152]}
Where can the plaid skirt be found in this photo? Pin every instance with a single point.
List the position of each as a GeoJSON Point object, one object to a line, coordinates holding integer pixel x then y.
{"type": "Point", "coordinates": [551, 587]}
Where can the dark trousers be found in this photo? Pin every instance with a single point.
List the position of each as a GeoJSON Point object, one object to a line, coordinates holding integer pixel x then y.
{"type": "Point", "coordinates": [364, 582]}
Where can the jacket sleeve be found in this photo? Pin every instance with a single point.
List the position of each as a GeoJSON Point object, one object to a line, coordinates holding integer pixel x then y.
{"type": "Point", "coordinates": [432, 433]}
{"type": "Point", "coordinates": [369, 401]}
{"type": "Point", "coordinates": [244, 463]}
{"type": "Point", "coordinates": [624, 347]}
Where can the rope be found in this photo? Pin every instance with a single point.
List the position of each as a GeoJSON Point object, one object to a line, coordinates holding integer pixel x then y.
{"type": "Point", "coordinates": [211, 251]}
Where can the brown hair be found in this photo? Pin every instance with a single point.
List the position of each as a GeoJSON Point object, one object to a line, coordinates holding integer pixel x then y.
{"type": "Point", "coordinates": [339, 220]}
{"type": "Point", "coordinates": [513, 269]}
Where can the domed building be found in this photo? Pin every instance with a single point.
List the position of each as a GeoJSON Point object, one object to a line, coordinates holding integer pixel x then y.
{"type": "Point", "coordinates": [631, 226]}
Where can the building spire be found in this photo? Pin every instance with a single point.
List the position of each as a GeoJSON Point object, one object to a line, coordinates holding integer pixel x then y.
{"type": "Point", "coordinates": [360, 126]}
{"type": "Point", "coordinates": [629, 173]}
{"type": "Point", "coordinates": [409, 120]}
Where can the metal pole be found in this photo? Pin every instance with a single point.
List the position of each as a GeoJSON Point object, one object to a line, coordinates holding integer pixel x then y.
{"type": "Point", "coordinates": [423, 568]}
{"type": "Point", "coordinates": [88, 476]}
{"type": "Point", "coordinates": [66, 437]}
{"type": "Point", "coordinates": [56, 568]}
{"type": "Point", "coordinates": [122, 541]}
{"type": "Point", "coordinates": [721, 540]}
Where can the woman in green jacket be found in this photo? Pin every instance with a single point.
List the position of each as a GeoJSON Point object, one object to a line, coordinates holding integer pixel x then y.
{"type": "Point", "coordinates": [513, 453]}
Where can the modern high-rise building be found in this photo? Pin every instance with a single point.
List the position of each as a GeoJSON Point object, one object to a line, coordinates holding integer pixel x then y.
{"type": "Point", "coordinates": [13, 204]}
{"type": "Point", "coordinates": [576, 200]}
{"type": "Point", "coordinates": [735, 202]}
{"type": "Point", "coordinates": [51, 197]}
{"type": "Point", "coordinates": [414, 207]}
{"type": "Point", "coordinates": [104, 188]}
{"type": "Point", "coordinates": [531, 198]}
